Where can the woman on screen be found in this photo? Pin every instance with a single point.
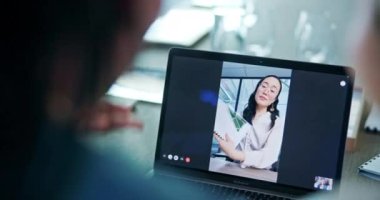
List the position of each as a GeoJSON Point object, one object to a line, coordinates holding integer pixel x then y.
{"type": "Point", "coordinates": [260, 147]}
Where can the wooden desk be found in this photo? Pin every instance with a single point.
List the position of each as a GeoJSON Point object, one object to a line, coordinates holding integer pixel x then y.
{"type": "Point", "coordinates": [353, 185]}
{"type": "Point", "coordinates": [139, 147]}
{"type": "Point", "coordinates": [225, 167]}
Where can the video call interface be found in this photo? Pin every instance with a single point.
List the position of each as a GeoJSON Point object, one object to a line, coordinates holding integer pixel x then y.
{"type": "Point", "coordinates": [263, 123]}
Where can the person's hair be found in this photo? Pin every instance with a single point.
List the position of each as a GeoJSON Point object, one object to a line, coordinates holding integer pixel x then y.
{"type": "Point", "coordinates": [250, 110]}
{"type": "Point", "coordinates": [30, 38]}
{"type": "Point", "coordinates": [376, 15]}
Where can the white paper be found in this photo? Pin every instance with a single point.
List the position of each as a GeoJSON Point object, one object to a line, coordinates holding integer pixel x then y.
{"type": "Point", "coordinates": [224, 123]}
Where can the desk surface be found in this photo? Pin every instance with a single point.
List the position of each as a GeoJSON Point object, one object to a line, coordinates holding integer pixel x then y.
{"type": "Point", "coordinates": [226, 167]}
{"type": "Point", "coordinates": [139, 147]}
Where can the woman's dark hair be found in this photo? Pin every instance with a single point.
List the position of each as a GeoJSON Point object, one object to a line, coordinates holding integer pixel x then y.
{"type": "Point", "coordinates": [250, 111]}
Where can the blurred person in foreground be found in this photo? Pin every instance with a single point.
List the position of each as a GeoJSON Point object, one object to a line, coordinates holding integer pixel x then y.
{"type": "Point", "coordinates": [364, 46]}
{"type": "Point", "coordinates": [58, 58]}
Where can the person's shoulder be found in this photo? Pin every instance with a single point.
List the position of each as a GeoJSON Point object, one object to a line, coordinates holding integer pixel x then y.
{"type": "Point", "coordinates": [279, 121]}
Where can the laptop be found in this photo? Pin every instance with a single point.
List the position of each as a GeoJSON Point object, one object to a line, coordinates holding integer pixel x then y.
{"type": "Point", "coordinates": [212, 112]}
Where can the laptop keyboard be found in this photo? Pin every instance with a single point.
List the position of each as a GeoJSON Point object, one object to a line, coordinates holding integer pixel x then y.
{"type": "Point", "coordinates": [222, 192]}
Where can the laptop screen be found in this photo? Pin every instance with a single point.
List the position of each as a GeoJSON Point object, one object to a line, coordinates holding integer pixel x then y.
{"type": "Point", "coordinates": [254, 119]}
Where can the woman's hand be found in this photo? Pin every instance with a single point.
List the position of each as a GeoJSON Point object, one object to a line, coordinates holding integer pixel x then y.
{"type": "Point", "coordinates": [227, 145]}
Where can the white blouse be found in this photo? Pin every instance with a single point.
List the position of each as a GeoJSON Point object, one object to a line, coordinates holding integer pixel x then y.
{"type": "Point", "coordinates": [261, 145]}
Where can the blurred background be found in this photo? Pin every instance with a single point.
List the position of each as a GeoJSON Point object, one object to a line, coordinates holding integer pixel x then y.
{"type": "Point", "coordinates": [313, 31]}
{"type": "Point", "coordinates": [290, 26]}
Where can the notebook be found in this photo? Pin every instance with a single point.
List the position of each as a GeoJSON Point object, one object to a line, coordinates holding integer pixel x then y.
{"type": "Point", "coordinates": [292, 148]}
{"type": "Point", "coordinates": [371, 168]}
